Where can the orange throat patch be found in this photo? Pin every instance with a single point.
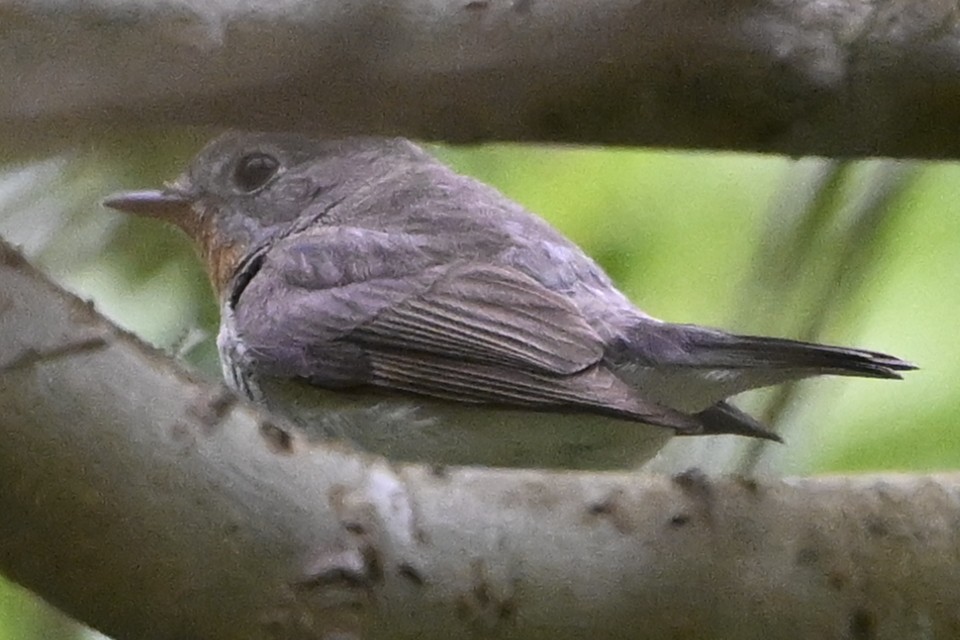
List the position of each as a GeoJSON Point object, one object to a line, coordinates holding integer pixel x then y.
{"type": "Point", "coordinates": [222, 262]}
{"type": "Point", "coordinates": [221, 255]}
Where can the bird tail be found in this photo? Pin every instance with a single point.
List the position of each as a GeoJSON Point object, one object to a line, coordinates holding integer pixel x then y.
{"type": "Point", "coordinates": [694, 346]}
{"type": "Point", "coordinates": [778, 353]}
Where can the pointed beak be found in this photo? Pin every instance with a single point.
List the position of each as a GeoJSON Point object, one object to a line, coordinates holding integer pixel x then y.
{"type": "Point", "coordinates": [167, 205]}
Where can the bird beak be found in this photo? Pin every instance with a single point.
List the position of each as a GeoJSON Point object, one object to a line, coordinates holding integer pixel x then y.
{"type": "Point", "coordinates": [168, 204]}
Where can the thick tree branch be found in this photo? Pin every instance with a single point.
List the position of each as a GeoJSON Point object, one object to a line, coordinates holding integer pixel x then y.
{"type": "Point", "coordinates": [150, 505]}
{"type": "Point", "coordinates": [843, 78]}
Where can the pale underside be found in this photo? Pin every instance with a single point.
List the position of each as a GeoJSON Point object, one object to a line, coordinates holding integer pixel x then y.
{"type": "Point", "coordinates": [450, 433]}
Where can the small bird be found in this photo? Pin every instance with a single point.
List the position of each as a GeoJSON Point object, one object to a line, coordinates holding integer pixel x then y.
{"type": "Point", "coordinates": [374, 295]}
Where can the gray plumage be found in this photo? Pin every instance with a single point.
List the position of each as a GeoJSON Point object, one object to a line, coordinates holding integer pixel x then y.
{"type": "Point", "coordinates": [369, 276]}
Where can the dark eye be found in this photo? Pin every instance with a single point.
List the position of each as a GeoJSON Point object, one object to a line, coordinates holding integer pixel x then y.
{"type": "Point", "coordinates": [254, 170]}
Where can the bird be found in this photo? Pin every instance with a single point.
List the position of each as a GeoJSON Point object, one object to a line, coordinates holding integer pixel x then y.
{"type": "Point", "coordinates": [375, 296]}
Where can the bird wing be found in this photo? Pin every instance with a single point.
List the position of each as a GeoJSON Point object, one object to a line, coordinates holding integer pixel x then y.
{"type": "Point", "coordinates": [488, 314]}
{"type": "Point", "coordinates": [464, 331]}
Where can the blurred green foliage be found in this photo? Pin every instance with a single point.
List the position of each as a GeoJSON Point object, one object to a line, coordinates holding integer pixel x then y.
{"type": "Point", "coordinates": [865, 254]}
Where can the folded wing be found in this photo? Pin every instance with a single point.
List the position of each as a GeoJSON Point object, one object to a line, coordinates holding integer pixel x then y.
{"type": "Point", "coordinates": [466, 332]}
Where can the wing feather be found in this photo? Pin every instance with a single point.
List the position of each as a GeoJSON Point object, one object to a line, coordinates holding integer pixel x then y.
{"type": "Point", "coordinates": [597, 390]}
{"type": "Point", "coordinates": [490, 314]}
{"type": "Point", "coordinates": [466, 332]}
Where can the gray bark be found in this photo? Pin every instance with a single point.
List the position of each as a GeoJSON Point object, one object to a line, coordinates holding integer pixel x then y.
{"type": "Point", "coordinates": [149, 504]}
{"type": "Point", "coordinates": [841, 78]}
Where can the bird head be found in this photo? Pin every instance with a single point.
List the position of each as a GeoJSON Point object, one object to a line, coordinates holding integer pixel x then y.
{"type": "Point", "coordinates": [246, 189]}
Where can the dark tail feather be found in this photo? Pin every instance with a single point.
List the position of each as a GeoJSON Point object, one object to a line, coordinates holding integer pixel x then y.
{"type": "Point", "coordinates": [724, 418]}
{"type": "Point", "coordinates": [842, 361]}
{"type": "Point", "coordinates": [718, 349]}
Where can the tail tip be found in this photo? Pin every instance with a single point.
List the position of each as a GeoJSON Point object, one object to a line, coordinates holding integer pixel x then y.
{"type": "Point", "coordinates": [890, 366]}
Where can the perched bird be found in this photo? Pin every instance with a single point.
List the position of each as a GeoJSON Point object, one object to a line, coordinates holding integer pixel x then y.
{"type": "Point", "coordinates": [374, 295]}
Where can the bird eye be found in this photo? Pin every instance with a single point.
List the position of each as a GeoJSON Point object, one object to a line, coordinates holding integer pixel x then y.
{"type": "Point", "coordinates": [254, 170]}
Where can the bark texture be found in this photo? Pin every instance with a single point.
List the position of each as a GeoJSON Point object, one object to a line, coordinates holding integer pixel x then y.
{"type": "Point", "coordinates": [151, 505]}
{"type": "Point", "coordinates": [840, 78]}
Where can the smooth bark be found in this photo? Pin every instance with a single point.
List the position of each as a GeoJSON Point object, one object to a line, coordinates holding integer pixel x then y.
{"type": "Point", "coordinates": [841, 78]}
{"type": "Point", "coordinates": [149, 504]}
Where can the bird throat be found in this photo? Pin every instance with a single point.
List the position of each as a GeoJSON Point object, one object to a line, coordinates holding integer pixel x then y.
{"type": "Point", "coordinates": [222, 255]}
{"type": "Point", "coordinates": [223, 260]}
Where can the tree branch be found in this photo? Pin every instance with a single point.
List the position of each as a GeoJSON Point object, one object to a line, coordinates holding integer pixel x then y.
{"type": "Point", "coordinates": [151, 505]}
{"type": "Point", "coordinates": [843, 78]}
